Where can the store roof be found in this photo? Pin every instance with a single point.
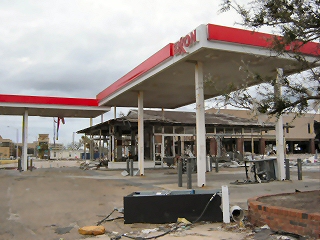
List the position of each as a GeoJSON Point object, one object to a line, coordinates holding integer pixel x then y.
{"type": "Point", "coordinates": [177, 118]}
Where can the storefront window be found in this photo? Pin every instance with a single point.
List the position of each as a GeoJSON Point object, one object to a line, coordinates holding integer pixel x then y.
{"type": "Point", "coordinates": [158, 129]}
{"type": "Point", "coordinates": [189, 130]}
{"type": "Point", "coordinates": [238, 130]}
{"type": "Point", "coordinates": [228, 130]}
{"type": "Point", "coordinates": [247, 130]}
{"type": "Point", "coordinates": [168, 129]}
{"type": "Point", "coordinates": [168, 146]}
{"type": "Point", "coordinates": [179, 130]}
{"type": "Point", "coordinates": [220, 130]}
{"type": "Point", "coordinates": [210, 129]}
{"type": "Point", "coordinates": [256, 130]}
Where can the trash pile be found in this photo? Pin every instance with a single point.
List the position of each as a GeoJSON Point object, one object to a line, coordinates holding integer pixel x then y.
{"type": "Point", "coordinates": [93, 164]}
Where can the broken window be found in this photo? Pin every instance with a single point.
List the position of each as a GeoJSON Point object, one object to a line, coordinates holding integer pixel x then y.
{"type": "Point", "coordinates": [189, 130]}
{"type": "Point", "coordinates": [220, 130]}
{"type": "Point", "coordinates": [168, 129]}
{"type": "Point", "coordinates": [179, 130]}
{"type": "Point", "coordinates": [158, 129]}
{"type": "Point", "coordinates": [228, 130]}
{"type": "Point", "coordinates": [210, 129]}
{"type": "Point", "coordinates": [237, 130]}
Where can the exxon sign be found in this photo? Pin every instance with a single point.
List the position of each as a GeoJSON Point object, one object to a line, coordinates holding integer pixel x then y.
{"type": "Point", "coordinates": [189, 40]}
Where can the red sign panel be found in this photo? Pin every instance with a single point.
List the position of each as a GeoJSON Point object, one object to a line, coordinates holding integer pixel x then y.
{"type": "Point", "coordinates": [189, 40]}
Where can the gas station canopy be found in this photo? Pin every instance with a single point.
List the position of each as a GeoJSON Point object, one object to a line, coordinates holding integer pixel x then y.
{"type": "Point", "coordinates": [167, 78]}
{"type": "Point", "coordinates": [50, 106]}
{"type": "Point", "coordinates": [209, 61]}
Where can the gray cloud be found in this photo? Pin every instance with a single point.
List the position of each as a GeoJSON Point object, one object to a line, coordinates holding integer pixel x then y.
{"type": "Point", "coordinates": [77, 48]}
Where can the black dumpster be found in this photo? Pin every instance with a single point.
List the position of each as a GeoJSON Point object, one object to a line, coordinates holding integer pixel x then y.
{"type": "Point", "coordinates": [168, 206]}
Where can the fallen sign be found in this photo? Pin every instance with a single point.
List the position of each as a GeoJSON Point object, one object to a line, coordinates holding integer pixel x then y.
{"type": "Point", "coordinates": [168, 206]}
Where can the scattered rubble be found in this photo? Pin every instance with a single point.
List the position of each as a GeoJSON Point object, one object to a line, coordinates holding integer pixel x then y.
{"type": "Point", "coordinates": [93, 164]}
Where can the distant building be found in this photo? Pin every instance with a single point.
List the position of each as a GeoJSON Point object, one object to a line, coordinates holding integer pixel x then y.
{"type": "Point", "coordinates": [42, 149]}
{"type": "Point", "coordinates": [43, 146]}
{"type": "Point", "coordinates": [56, 147]}
{"type": "Point", "coordinates": [7, 149]}
{"type": "Point", "coordinates": [65, 154]}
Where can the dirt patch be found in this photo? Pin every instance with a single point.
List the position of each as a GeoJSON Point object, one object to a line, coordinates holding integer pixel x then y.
{"type": "Point", "coordinates": [306, 201]}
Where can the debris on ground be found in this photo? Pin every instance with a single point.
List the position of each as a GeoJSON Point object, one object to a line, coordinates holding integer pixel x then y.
{"type": "Point", "coordinates": [147, 231]}
{"type": "Point", "coordinates": [63, 230]}
{"type": "Point", "coordinates": [184, 228]}
{"type": "Point", "coordinates": [94, 164]}
{"type": "Point", "coordinates": [92, 230]}
{"type": "Point", "coordinates": [183, 220]}
{"type": "Point", "coordinates": [232, 164]}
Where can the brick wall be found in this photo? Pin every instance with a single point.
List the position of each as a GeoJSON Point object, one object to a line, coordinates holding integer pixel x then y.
{"type": "Point", "coordinates": [284, 219]}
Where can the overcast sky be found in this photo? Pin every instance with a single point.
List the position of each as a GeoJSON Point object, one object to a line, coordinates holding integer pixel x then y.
{"type": "Point", "coordinates": [78, 48]}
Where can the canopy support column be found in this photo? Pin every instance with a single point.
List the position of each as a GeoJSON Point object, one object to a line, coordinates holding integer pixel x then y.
{"type": "Point", "coordinates": [200, 125]}
{"type": "Point", "coordinates": [100, 152]}
{"type": "Point", "coordinates": [280, 170]}
{"type": "Point", "coordinates": [140, 134]}
{"type": "Point", "coordinates": [24, 157]}
{"type": "Point", "coordinates": [91, 142]}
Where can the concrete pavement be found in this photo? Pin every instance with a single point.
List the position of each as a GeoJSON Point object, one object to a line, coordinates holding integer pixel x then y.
{"type": "Point", "coordinates": [35, 205]}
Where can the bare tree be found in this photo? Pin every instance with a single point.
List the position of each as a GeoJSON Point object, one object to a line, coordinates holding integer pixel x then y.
{"type": "Point", "coordinates": [75, 145]}
{"type": "Point", "coordinates": [298, 22]}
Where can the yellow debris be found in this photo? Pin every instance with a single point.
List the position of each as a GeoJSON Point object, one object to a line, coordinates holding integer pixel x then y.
{"type": "Point", "coordinates": [92, 230]}
{"type": "Point", "coordinates": [183, 220]}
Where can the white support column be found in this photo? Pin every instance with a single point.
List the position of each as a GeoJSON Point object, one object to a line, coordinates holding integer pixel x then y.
{"type": "Point", "coordinates": [85, 149]}
{"type": "Point", "coordinates": [200, 126]}
{"type": "Point", "coordinates": [252, 142]}
{"type": "Point", "coordinates": [24, 156]}
{"type": "Point", "coordinates": [91, 142]}
{"type": "Point", "coordinates": [280, 170]}
{"type": "Point", "coordinates": [113, 151]}
{"type": "Point", "coordinates": [153, 147]}
{"type": "Point", "coordinates": [133, 143]}
{"type": "Point", "coordinates": [140, 134]}
{"type": "Point", "coordinates": [100, 155]}
{"type": "Point", "coordinates": [218, 139]}
{"type": "Point", "coordinates": [162, 147]}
